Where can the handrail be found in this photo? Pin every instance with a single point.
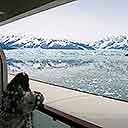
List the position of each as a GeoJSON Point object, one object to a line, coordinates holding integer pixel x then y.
{"type": "Point", "coordinates": [66, 118]}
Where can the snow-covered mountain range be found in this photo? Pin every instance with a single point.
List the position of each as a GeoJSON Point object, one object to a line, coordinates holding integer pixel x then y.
{"type": "Point", "coordinates": [112, 42]}
{"type": "Point", "coordinates": [10, 41]}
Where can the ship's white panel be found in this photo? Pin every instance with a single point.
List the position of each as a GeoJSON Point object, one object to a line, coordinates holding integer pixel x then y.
{"type": "Point", "coordinates": [3, 71]}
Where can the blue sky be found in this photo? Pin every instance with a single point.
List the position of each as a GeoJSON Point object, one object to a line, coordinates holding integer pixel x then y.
{"type": "Point", "coordinates": [82, 20]}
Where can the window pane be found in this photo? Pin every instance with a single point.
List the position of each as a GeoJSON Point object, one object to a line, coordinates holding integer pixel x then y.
{"type": "Point", "coordinates": [81, 45]}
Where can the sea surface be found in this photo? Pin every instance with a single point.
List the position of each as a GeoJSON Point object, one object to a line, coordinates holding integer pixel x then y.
{"type": "Point", "coordinates": [102, 72]}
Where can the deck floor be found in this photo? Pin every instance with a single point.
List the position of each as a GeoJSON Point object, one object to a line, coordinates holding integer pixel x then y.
{"type": "Point", "coordinates": [104, 112]}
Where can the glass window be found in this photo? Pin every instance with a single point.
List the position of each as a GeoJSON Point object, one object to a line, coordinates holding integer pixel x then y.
{"type": "Point", "coordinates": [81, 45]}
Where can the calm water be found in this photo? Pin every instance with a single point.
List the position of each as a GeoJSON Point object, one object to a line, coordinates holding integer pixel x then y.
{"type": "Point", "coordinates": [100, 72]}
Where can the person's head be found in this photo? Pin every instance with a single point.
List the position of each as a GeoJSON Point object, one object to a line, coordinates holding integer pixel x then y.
{"type": "Point", "coordinates": [21, 79]}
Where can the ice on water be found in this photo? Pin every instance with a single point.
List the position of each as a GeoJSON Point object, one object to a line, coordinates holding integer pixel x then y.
{"type": "Point", "coordinates": [103, 72]}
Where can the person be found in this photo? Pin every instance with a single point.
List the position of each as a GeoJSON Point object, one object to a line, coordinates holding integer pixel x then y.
{"type": "Point", "coordinates": [18, 102]}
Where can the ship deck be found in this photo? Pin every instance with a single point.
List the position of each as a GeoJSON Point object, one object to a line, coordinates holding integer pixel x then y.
{"type": "Point", "coordinates": [97, 110]}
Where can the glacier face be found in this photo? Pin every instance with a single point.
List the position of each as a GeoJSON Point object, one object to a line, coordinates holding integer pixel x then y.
{"type": "Point", "coordinates": [11, 41]}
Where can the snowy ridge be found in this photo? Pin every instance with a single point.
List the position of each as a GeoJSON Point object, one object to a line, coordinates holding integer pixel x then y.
{"type": "Point", "coordinates": [112, 42]}
{"type": "Point", "coordinates": [23, 41]}
{"type": "Point", "coordinates": [10, 41]}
